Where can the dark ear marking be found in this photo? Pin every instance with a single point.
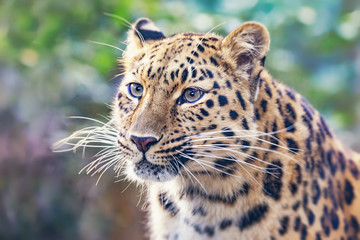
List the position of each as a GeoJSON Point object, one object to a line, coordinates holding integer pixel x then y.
{"type": "Point", "coordinates": [262, 61]}
{"type": "Point", "coordinates": [150, 35]}
{"type": "Point", "coordinates": [147, 34]}
{"type": "Point", "coordinates": [146, 30]}
{"type": "Point", "coordinates": [141, 22]}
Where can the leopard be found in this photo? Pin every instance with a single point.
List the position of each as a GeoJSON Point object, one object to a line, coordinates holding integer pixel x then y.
{"type": "Point", "coordinates": [222, 149]}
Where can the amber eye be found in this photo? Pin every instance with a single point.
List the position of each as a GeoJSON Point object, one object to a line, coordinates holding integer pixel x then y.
{"type": "Point", "coordinates": [191, 95]}
{"type": "Point", "coordinates": [135, 90]}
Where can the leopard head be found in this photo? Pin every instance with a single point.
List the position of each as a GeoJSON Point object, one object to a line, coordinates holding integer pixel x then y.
{"type": "Point", "coordinates": [185, 103]}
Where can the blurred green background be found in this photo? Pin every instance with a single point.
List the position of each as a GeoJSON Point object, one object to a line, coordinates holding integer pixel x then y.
{"type": "Point", "coordinates": [49, 70]}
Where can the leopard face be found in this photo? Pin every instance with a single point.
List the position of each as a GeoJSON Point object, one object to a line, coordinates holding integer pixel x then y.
{"type": "Point", "coordinates": [183, 98]}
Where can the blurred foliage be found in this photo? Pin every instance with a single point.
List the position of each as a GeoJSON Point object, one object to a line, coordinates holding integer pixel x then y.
{"type": "Point", "coordinates": [49, 70]}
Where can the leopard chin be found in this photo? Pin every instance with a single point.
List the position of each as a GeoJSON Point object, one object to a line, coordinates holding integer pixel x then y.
{"type": "Point", "coordinates": [148, 171]}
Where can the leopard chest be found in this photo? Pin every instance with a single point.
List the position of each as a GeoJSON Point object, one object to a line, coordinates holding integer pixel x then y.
{"type": "Point", "coordinates": [199, 215]}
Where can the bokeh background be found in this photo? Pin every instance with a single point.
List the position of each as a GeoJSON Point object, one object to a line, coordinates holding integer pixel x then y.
{"type": "Point", "coordinates": [49, 70]}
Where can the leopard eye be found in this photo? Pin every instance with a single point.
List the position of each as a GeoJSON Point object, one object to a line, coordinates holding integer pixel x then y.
{"type": "Point", "coordinates": [191, 95]}
{"type": "Point", "coordinates": [135, 90]}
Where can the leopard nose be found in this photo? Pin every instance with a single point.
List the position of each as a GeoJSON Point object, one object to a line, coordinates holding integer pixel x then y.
{"type": "Point", "coordinates": [143, 143]}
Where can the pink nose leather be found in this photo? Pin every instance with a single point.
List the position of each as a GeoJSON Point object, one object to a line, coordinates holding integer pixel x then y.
{"type": "Point", "coordinates": [143, 143]}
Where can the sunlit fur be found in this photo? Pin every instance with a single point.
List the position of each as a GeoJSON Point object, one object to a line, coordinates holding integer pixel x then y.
{"type": "Point", "coordinates": [243, 162]}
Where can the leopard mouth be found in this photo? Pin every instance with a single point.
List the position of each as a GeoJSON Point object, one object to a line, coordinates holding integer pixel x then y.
{"type": "Point", "coordinates": [156, 172]}
{"type": "Point", "coordinates": [147, 170]}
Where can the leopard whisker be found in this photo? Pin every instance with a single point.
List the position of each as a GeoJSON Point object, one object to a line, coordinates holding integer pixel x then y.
{"type": "Point", "coordinates": [105, 168]}
{"type": "Point", "coordinates": [177, 165]}
{"type": "Point", "coordinates": [84, 137]}
{"type": "Point", "coordinates": [247, 136]}
{"type": "Point", "coordinates": [209, 156]}
{"type": "Point", "coordinates": [95, 136]}
{"type": "Point", "coordinates": [118, 167]}
{"type": "Point", "coordinates": [257, 168]}
{"type": "Point", "coordinates": [132, 27]}
{"type": "Point", "coordinates": [117, 75]}
{"type": "Point", "coordinates": [211, 30]}
{"type": "Point", "coordinates": [234, 150]}
{"type": "Point", "coordinates": [206, 163]}
{"type": "Point", "coordinates": [103, 137]}
{"type": "Point", "coordinates": [106, 150]}
{"type": "Point", "coordinates": [278, 145]}
{"type": "Point", "coordinates": [254, 167]}
{"type": "Point", "coordinates": [184, 153]}
{"type": "Point", "coordinates": [106, 124]}
{"type": "Point", "coordinates": [90, 167]}
{"type": "Point", "coordinates": [128, 25]}
{"type": "Point", "coordinates": [187, 170]}
{"type": "Point", "coordinates": [85, 141]}
{"type": "Point", "coordinates": [142, 192]}
{"type": "Point", "coordinates": [178, 162]}
{"type": "Point", "coordinates": [112, 46]}
{"type": "Point", "coordinates": [120, 178]}
{"type": "Point", "coordinates": [219, 146]}
{"type": "Point", "coordinates": [106, 44]}
{"type": "Point", "coordinates": [126, 187]}
{"type": "Point", "coordinates": [210, 166]}
{"type": "Point", "coordinates": [250, 175]}
{"type": "Point", "coordinates": [239, 131]}
{"type": "Point", "coordinates": [114, 157]}
{"type": "Point", "coordinates": [99, 161]}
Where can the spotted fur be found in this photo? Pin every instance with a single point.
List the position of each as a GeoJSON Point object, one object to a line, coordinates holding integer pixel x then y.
{"type": "Point", "coordinates": [251, 159]}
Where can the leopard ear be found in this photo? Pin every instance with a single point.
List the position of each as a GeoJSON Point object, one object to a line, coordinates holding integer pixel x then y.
{"type": "Point", "coordinates": [247, 44]}
{"type": "Point", "coordinates": [143, 31]}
